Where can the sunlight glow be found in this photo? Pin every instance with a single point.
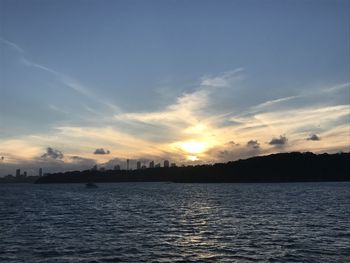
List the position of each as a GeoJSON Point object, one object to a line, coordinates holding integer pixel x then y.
{"type": "Point", "coordinates": [194, 147]}
{"type": "Point", "coordinates": [192, 158]}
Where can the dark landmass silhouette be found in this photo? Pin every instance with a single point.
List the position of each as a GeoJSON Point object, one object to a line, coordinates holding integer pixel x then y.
{"type": "Point", "coordinates": [281, 167]}
{"type": "Point", "coordinates": [13, 179]}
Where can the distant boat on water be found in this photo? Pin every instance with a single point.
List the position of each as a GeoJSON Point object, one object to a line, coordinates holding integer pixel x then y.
{"type": "Point", "coordinates": [91, 185]}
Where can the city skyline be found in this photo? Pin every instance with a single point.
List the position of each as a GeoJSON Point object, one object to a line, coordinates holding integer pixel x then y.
{"type": "Point", "coordinates": [133, 165]}
{"type": "Point", "coordinates": [190, 82]}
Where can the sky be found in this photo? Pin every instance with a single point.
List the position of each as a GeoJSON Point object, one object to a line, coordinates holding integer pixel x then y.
{"type": "Point", "coordinates": [85, 82]}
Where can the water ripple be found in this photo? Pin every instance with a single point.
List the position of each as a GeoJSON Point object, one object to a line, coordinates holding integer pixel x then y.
{"type": "Point", "coordinates": [162, 222]}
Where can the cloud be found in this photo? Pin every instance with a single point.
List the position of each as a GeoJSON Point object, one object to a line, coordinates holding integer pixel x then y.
{"type": "Point", "coordinates": [101, 151]}
{"type": "Point", "coordinates": [181, 112]}
{"type": "Point", "coordinates": [71, 83]}
{"type": "Point", "coordinates": [275, 102]}
{"type": "Point", "coordinates": [337, 88]}
{"type": "Point", "coordinates": [226, 154]}
{"type": "Point", "coordinates": [82, 161]}
{"type": "Point", "coordinates": [52, 154]}
{"type": "Point", "coordinates": [61, 77]}
{"type": "Point", "coordinates": [189, 119]}
{"type": "Point", "coordinates": [313, 137]}
{"type": "Point", "coordinates": [197, 115]}
{"type": "Point", "coordinates": [11, 45]}
{"type": "Point", "coordinates": [253, 143]}
{"type": "Point", "coordinates": [232, 143]}
{"type": "Point", "coordinates": [223, 80]}
{"type": "Point", "coordinates": [189, 106]}
{"type": "Point", "coordinates": [64, 79]}
{"type": "Point", "coordinates": [282, 140]}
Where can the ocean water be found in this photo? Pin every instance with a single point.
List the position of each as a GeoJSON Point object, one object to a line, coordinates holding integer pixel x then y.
{"type": "Point", "coordinates": [167, 222]}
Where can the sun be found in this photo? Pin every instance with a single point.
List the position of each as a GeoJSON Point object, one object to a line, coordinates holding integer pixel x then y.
{"type": "Point", "coordinates": [192, 158]}
{"type": "Point", "coordinates": [194, 147]}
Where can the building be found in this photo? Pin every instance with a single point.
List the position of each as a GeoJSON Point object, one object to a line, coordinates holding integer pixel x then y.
{"type": "Point", "coordinates": [40, 172]}
{"type": "Point", "coordinates": [173, 165]}
{"type": "Point", "coordinates": [116, 167]}
{"type": "Point", "coordinates": [127, 164]}
{"type": "Point", "coordinates": [24, 174]}
{"type": "Point", "coordinates": [157, 165]}
{"type": "Point", "coordinates": [18, 173]}
{"type": "Point", "coordinates": [166, 163]}
{"type": "Point", "coordinates": [138, 165]}
{"type": "Point", "coordinates": [151, 164]}
{"type": "Point", "coordinates": [94, 168]}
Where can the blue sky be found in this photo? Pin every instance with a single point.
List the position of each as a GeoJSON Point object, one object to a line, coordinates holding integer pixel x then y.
{"type": "Point", "coordinates": [181, 80]}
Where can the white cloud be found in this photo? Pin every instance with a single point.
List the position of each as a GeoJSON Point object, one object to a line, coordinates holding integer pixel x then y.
{"type": "Point", "coordinates": [12, 45]}
{"type": "Point", "coordinates": [274, 102]}
{"type": "Point", "coordinates": [224, 80]}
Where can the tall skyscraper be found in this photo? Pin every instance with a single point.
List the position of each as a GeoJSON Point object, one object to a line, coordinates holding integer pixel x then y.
{"type": "Point", "coordinates": [127, 164]}
{"type": "Point", "coordinates": [151, 164]}
{"type": "Point", "coordinates": [18, 172]}
{"type": "Point", "coordinates": [138, 165]}
{"type": "Point", "coordinates": [166, 163]}
{"type": "Point", "coordinates": [40, 172]}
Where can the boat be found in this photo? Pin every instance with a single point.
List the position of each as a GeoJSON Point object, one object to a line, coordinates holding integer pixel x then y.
{"type": "Point", "coordinates": [90, 185]}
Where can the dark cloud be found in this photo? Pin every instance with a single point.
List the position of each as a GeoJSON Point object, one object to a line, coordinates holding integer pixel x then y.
{"type": "Point", "coordinates": [224, 153]}
{"type": "Point", "coordinates": [237, 153]}
{"type": "Point", "coordinates": [254, 127]}
{"type": "Point", "coordinates": [313, 137]}
{"type": "Point", "coordinates": [101, 151]}
{"type": "Point", "coordinates": [231, 152]}
{"type": "Point", "coordinates": [52, 154]}
{"type": "Point", "coordinates": [80, 159]}
{"type": "Point", "coordinates": [232, 143]}
{"type": "Point", "coordinates": [253, 144]}
{"type": "Point", "coordinates": [229, 123]}
{"type": "Point", "coordinates": [282, 140]}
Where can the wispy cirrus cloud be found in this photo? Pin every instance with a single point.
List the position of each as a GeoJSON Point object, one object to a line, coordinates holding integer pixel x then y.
{"type": "Point", "coordinates": [189, 107]}
{"type": "Point", "coordinates": [224, 80]}
{"type": "Point", "coordinates": [12, 45]}
{"type": "Point", "coordinates": [62, 78]}
{"type": "Point", "coordinates": [274, 102]}
{"type": "Point", "coordinates": [71, 83]}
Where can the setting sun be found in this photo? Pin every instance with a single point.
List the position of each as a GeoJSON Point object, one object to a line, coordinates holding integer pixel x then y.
{"type": "Point", "coordinates": [192, 158]}
{"type": "Point", "coordinates": [194, 147]}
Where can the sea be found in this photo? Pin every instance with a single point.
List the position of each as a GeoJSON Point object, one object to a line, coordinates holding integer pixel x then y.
{"type": "Point", "coordinates": [169, 222]}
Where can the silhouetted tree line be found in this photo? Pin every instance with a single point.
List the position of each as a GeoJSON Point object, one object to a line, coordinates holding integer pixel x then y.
{"type": "Point", "coordinates": [282, 167]}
